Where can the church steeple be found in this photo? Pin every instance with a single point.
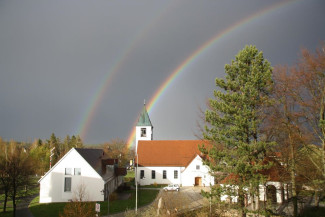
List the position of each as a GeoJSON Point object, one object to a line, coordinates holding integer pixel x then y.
{"type": "Point", "coordinates": [144, 128]}
{"type": "Point", "coordinates": [144, 119]}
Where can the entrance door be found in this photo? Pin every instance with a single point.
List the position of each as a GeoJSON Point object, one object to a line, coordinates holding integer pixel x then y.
{"type": "Point", "coordinates": [271, 193]}
{"type": "Point", "coordinates": [198, 181]}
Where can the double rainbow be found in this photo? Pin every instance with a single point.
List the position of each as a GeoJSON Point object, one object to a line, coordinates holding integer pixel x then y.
{"type": "Point", "coordinates": [88, 115]}
{"type": "Point", "coordinates": [196, 54]}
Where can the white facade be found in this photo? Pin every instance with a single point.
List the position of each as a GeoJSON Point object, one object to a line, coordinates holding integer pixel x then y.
{"type": "Point", "coordinates": [194, 174]}
{"type": "Point", "coordinates": [52, 185]}
{"type": "Point", "coordinates": [196, 171]}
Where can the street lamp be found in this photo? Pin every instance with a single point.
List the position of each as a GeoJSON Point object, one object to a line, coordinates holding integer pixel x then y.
{"type": "Point", "coordinates": [136, 186]}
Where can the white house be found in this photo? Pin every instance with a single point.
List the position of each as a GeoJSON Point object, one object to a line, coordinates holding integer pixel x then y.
{"type": "Point", "coordinates": [275, 190]}
{"type": "Point", "coordinates": [168, 161]}
{"type": "Point", "coordinates": [87, 170]}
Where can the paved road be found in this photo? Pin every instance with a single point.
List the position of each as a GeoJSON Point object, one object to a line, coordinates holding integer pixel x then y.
{"type": "Point", "coordinates": [22, 208]}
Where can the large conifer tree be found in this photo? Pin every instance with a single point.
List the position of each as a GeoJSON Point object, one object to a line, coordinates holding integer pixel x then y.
{"type": "Point", "coordinates": [234, 121]}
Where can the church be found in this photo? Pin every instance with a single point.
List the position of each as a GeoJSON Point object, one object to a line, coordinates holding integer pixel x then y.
{"type": "Point", "coordinates": [168, 161]}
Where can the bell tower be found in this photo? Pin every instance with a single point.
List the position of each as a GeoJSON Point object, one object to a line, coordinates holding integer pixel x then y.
{"type": "Point", "coordinates": [144, 128]}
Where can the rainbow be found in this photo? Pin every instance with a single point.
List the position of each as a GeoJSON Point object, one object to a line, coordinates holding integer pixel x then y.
{"type": "Point", "coordinates": [88, 115]}
{"type": "Point", "coordinates": [196, 54]}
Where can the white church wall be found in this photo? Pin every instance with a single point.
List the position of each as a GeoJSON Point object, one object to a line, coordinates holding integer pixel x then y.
{"type": "Point", "coordinates": [159, 178]}
{"type": "Point", "coordinates": [197, 169]}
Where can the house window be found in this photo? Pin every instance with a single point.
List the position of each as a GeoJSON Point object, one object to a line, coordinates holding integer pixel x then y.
{"type": "Point", "coordinates": [141, 174]}
{"type": "Point", "coordinates": [143, 132]}
{"type": "Point", "coordinates": [153, 174]}
{"type": "Point", "coordinates": [197, 167]}
{"type": "Point", "coordinates": [175, 174]}
{"type": "Point", "coordinates": [68, 171]}
{"type": "Point", "coordinates": [77, 171]}
{"type": "Point", "coordinates": [164, 174]}
{"type": "Point", "coordinates": [67, 184]}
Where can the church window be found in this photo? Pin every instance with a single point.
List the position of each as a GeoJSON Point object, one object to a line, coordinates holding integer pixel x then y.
{"type": "Point", "coordinates": [143, 132]}
{"type": "Point", "coordinates": [164, 174]}
{"type": "Point", "coordinates": [153, 174]}
{"type": "Point", "coordinates": [197, 167]}
{"type": "Point", "coordinates": [175, 174]}
{"type": "Point", "coordinates": [141, 174]}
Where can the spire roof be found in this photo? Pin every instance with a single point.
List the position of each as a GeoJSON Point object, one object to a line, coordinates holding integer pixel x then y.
{"type": "Point", "coordinates": [144, 119]}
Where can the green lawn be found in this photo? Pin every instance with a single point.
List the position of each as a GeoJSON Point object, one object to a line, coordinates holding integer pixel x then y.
{"type": "Point", "coordinates": [130, 174]}
{"type": "Point", "coordinates": [153, 186]}
{"type": "Point", "coordinates": [53, 209]}
{"type": "Point", "coordinates": [22, 192]}
{"type": "Point", "coordinates": [45, 209]}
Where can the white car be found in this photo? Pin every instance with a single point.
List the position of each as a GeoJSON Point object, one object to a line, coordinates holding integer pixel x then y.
{"type": "Point", "coordinates": [172, 187]}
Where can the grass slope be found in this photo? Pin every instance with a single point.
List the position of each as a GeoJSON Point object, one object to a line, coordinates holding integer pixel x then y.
{"type": "Point", "coordinates": [53, 209]}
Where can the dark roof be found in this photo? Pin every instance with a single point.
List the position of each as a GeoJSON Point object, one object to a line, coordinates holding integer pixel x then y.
{"type": "Point", "coordinates": [93, 157]}
{"type": "Point", "coordinates": [144, 119]}
{"type": "Point", "coordinates": [168, 152]}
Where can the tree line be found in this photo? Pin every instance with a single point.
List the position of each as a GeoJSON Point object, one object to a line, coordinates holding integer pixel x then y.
{"type": "Point", "coordinates": [19, 162]}
{"type": "Point", "coordinates": [261, 117]}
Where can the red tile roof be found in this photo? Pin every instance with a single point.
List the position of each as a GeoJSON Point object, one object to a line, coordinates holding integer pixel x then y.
{"type": "Point", "coordinates": [276, 173]}
{"type": "Point", "coordinates": [168, 152]}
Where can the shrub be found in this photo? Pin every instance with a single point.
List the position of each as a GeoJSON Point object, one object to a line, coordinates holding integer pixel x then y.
{"type": "Point", "coordinates": [78, 209]}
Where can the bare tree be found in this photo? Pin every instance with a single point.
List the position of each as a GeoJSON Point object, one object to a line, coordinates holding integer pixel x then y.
{"type": "Point", "coordinates": [310, 72]}
{"type": "Point", "coordinates": [284, 124]}
{"type": "Point", "coordinates": [297, 120]}
{"type": "Point", "coordinates": [117, 148]}
{"type": "Point", "coordinates": [80, 193]}
{"type": "Point", "coordinates": [77, 207]}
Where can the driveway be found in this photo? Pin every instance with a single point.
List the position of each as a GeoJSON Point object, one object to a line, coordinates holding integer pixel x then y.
{"type": "Point", "coordinates": [22, 208]}
{"type": "Point", "coordinates": [186, 198]}
{"type": "Point", "coordinates": [195, 199]}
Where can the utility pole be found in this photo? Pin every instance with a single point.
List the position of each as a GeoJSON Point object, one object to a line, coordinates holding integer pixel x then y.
{"type": "Point", "coordinates": [51, 156]}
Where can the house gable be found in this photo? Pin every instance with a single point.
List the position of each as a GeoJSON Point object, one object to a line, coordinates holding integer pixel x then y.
{"type": "Point", "coordinates": [196, 171]}
{"type": "Point", "coordinates": [72, 168]}
{"type": "Point", "coordinates": [76, 158]}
